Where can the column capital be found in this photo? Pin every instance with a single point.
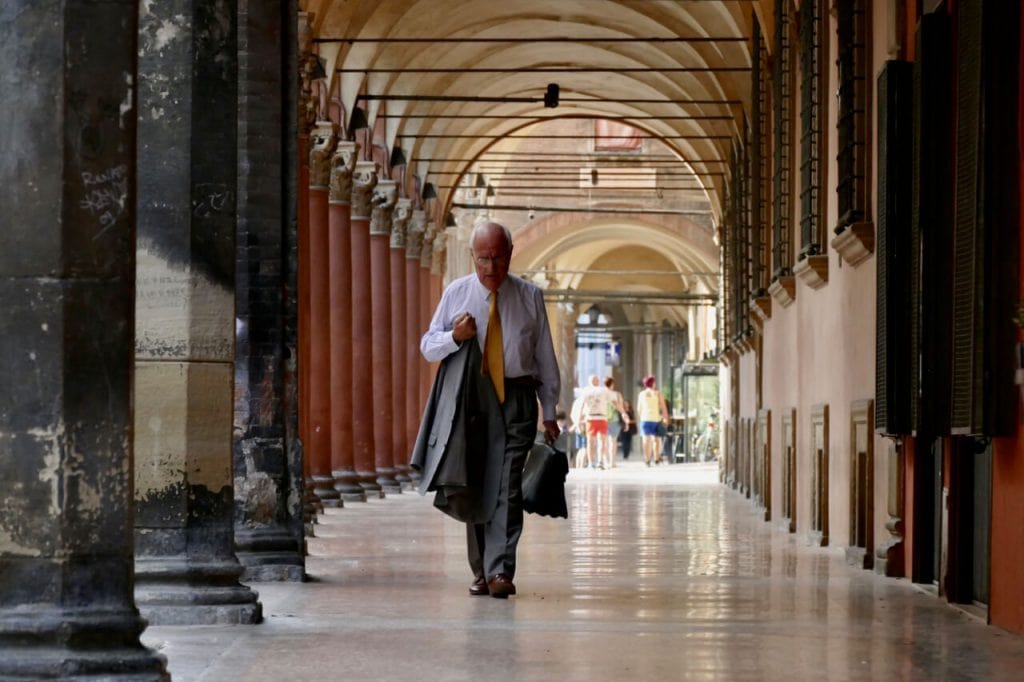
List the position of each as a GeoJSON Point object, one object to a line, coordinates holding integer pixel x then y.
{"type": "Point", "coordinates": [438, 251]}
{"type": "Point", "coordinates": [385, 195]}
{"type": "Point", "coordinates": [414, 234]}
{"type": "Point", "coordinates": [400, 222]}
{"type": "Point", "coordinates": [364, 179]}
{"type": "Point", "coordinates": [427, 245]}
{"type": "Point", "coordinates": [321, 144]}
{"type": "Point", "coordinates": [343, 164]}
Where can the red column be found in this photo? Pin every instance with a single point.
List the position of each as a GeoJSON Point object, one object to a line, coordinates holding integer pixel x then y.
{"type": "Point", "coordinates": [426, 311]}
{"type": "Point", "coordinates": [399, 343]}
{"type": "Point", "coordinates": [414, 328]}
{"type": "Point", "coordinates": [303, 302]}
{"type": "Point", "coordinates": [385, 196]}
{"type": "Point", "coordinates": [318, 443]}
{"type": "Point", "coordinates": [363, 182]}
{"type": "Point", "coordinates": [343, 466]}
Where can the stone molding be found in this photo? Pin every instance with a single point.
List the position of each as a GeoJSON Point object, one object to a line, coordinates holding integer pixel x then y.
{"type": "Point", "coordinates": [385, 195]}
{"type": "Point", "coordinates": [321, 144]}
{"type": "Point", "coordinates": [364, 179]}
{"type": "Point", "coordinates": [761, 306]}
{"type": "Point", "coordinates": [343, 164]}
{"type": "Point", "coordinates": [438, 251]}
{"type": "Point", "coordinates": [400, 222]}
{"type": "Point", "coordinates": [307, 63]}
{"type": "Point", "coordinates": [783, 290]}
{"type": "Point", "coordinates": [855, 243]}
{"type": "Point", "coordinates": [813, 270]}
{"type": "Point", "coordinates": [426, 251]}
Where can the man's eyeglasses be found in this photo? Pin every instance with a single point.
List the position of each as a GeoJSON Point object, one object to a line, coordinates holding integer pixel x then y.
{"type": "Point", "coordinates": [484, 261]}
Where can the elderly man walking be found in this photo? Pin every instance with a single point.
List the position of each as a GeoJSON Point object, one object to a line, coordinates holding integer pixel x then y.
{"type": "Point", "coordinates": [507, 317]}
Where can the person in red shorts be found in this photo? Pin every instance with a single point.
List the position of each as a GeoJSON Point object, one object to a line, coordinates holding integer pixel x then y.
{"type": "Point", "coordinates": [595, 399]}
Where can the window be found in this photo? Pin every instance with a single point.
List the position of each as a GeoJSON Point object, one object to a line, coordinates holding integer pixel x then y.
{"type": "Point", "coordinates": [852, 119]}
{"type": "Point", "coordinates": [781, 114]}
{"type": "Point", "coordinates": [811, 124]}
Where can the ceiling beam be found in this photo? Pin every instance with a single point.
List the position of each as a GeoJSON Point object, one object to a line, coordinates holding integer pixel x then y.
{"type": "Point", "coordinates": [539, 39]}
{"type": "Point", "coordinates": [554, 69]}
{"type": "Point", "coordinates": [457, 136]}
{"type": "Point", "coordinates": [540, 100]}
{"type": "Point", "coordinates": [649, 297]}
{"type": "Point", "coordinates": [581, 209]}
{"type": "Point", "coordinates": [553, 117]}
{"type": "Point", "coordinates": [599, 271]}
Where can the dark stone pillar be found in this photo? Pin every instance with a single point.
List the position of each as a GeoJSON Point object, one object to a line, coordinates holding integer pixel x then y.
{"type": "Point", "coordinates": [186, 569]}
{"type": "Point", "coordinates": [268, 483]}
{"type": "Point", "coordinates": [363, 181]}
{"type": "Point", "coordinates": [67, 261]}
{"type": "Point", "coordinates": [343, 467]}
{"type": "Point", "coordinates": [399, 342]}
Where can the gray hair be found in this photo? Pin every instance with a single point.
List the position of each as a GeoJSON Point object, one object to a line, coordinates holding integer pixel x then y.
{"type": "Point", "coordinates": [486, 226]}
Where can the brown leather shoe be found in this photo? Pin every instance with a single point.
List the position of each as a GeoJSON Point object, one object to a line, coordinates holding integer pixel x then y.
{"type": "Point", "coordinates": [479, 588]}
{"type": "Point", "coordinates": [501, 586]}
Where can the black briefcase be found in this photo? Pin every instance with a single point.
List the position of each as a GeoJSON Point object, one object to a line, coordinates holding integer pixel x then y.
{"type": "Point", "coordinates": [544, 481]}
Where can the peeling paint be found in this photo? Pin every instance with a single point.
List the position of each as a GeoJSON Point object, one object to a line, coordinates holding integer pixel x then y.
{"type": "Point", "coordinates": [9, 546]}
{"type": "Point", "coordinates": [167, 32]}
{"type": "Point", "coordinates": [52, 440]}
{"type": "Point", "coordinates": [128, 104]}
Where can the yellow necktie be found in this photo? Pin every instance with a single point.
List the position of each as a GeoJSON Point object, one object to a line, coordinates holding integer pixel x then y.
{"type": "Point", "coordinates": [494, 360]}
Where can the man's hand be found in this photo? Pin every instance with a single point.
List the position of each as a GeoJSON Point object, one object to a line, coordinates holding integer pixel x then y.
{"type": "Point", "coordinates": [464, 328]}
{"type": "Point", "coordinates": [550, 431]}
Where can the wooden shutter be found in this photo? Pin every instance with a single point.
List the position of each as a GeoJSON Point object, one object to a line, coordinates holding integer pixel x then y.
{"type": "Point", "coordinates": [932, 224]}
{"type": "Point", "coordinates": [986, 223]}
{"type": "Point", "coordinates": [811, 60]}
{"type": "Point", "coordinates": [851, 121]}
{"type": "Point", "coordinates": [893, 362]}
{"type": "Point", "coordinates": [781, 103]}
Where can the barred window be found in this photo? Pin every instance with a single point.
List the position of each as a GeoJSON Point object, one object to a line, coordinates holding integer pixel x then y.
{"type": "Point", "coordinates": [759, 218]}
{"type": "Point", "coordinates": [852, 119]}
{"type": "Point", "coordinates": [812, 59]}
{"type": "Point", "coordinates": [782, 91]}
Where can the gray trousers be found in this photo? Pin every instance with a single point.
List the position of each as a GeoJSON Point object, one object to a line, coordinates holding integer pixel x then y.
{"type": "Point", "coordinates": [492, 546]}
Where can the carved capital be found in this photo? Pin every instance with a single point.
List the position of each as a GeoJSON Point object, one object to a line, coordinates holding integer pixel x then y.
{"type": "Point", "coordinates": [427, 249]}
{"type": "Point", "coordinates": [438, 250]}
{"type": "Point", "coordinates": [321, 144]}
{"type": "Point", "coordinates": [400, 222]}
{"type": "Point", "coordinates": [385, 195]}
{"type": "Point", "coordinates": [343, 164]}
{"type": "Point", "coordinates": [414, 235]}
{"type": "Point", "coordinates": [364, 179]}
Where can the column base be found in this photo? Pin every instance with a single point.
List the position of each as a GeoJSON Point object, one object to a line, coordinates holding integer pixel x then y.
{"type": "Point", "coordinates": [67, 643]}
{"type": "Point", "coordinates": [269, 555]}
{"type": "Point", "coordinates": [347, 485]}
{"type": "Point", "coordinates": [386, 480]}
{"type": "Point", "coordinates": [180, 591]}
{"type": "Point", "coordinates": [323, 487]}
{"type": "Point", "coordinates": [368, 482]}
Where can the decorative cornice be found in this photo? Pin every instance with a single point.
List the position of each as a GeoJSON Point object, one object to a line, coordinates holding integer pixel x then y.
{"type": "Point", "coordinates": [364, 179]}
{"type": "Point", "coordinates": [856, 243]}
{"type": "Point", "coordinates": [385, 195]}
{"type": "Point", "coordinates": [400, 222]}
{"type": "Point", "coordinates": [813, 271]}
{"type": "Point", "coordinates": [321, 144]}
{"type": "Point", "coordinates": [762, 307]}
{"type": "Point", "coordinates": [414, 235]}
{"type": "Point", "coordinates": [343, 163]}
{"type": "Point", "coordinates": [783, 290]}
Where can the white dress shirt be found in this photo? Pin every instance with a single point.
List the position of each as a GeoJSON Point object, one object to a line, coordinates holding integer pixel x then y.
{"type": "Point", "coordinates": [525, 334]}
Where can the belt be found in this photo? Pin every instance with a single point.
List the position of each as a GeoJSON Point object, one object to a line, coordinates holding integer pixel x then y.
{"type": "Point", "coordinates": [525, 381]}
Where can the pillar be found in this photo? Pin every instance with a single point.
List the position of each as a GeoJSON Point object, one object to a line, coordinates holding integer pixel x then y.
{"type": "Point", "coordinates": [267, 469]}
{"type": "Point", "coordinates": [400, 343]}
{"type": "Point", "coordinates": [363, 182]}
{"type": "Point", "coordinates": [186, 571]}
{"type": "Point", "coordinates": [67, 262]}
{"type": "Point", "coordinates": [318, 440]}
{"type": "Point", "coordinates": [384, 197]}
{"type": "Point", "coordinates": [305, 118]}
{"type": "Point", "coordinates": [426, 310]}
{"type": "Point", "coordinates": [343, 467]}
{"type": "Point", "coordinates": [414, 327]}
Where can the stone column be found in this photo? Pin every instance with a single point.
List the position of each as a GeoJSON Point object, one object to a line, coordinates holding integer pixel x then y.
{"type": "Point", "coordinates": [363, 182]}
{"type": "Point", "coordinates": [384, 197]}
{"type": "Point", "coordinates": [318, 440]}
{"type": "Point", "coordinates": [399, 343]}
{"type": "Point", "coordinates": [267, 474]}
{"type": "Point", "coordinates": [346, 482]}
{"type": "Point", "coordinates": [427, 369]}
{"type": "Point", "coordinates": [306, 117]}
{"type": "Point", "coordinates": [414, 326]}
{"type": "Point", "coordinates": [67, 261]}
{"type": "Point", "coordinates": [186, 569]}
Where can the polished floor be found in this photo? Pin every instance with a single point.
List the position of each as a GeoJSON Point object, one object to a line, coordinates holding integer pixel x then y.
{"type": "Point", "coordinates": [658, 574]}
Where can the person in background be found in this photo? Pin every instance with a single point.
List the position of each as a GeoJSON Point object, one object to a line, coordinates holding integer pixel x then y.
{"type": "Point", "coordinates": [652, 411]}
{"type": "Point", "coordinates": [595, 399]}
{"type": "Point", "coordinates": [617, 421]}
{"type": "Point", "coordinates": [628, 429]}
